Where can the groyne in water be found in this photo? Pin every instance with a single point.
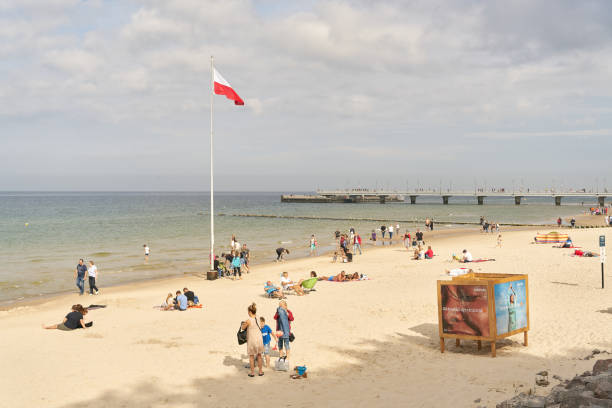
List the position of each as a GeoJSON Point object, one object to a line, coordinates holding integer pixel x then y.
{"type": "Point", "coordinates": [412, 221]}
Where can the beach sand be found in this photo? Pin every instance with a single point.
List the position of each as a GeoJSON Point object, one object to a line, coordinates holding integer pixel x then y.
{"type": "Point", "coordinates": [368, 343]}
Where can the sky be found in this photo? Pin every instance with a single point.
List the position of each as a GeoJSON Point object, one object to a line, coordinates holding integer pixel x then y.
{"type": "Point", "coordinates": [102, 95]}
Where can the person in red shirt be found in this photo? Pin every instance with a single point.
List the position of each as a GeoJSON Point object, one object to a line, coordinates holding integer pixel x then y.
{"type": "Point", "coordinates": [429, 253]}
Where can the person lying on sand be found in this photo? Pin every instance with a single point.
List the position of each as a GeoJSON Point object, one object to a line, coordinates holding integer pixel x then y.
{"type": "Point", "coordinates": [341, 277]}
{"type": "Point", "coordinates": [73, 320]}
{"type": "Point", "coordinates": [458, 271]}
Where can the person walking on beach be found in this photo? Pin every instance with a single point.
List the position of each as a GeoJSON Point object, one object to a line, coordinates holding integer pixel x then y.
{"type": "Point", "coordinates": [559, 221]}
{"type": "Point", "coordinates": [383, 228]}
{"type": "Point", "coordinates": [391, 233]}
{"type": "Point", "coordinates": [266, 333]}
{"type": "Point", "coordinates": [92, 271]}
{"type": "Point", "coordinates": [255, 346]}
{"type": "Point", "coordinates": [373, 238]}
{"type": "Point", "coordinates": [313, 245]}
{"type": "Point", "coordinates": [283, 318]}
{"type": "Point", "coordinates": [146, 252]}
{"type": "Point", "coordinates": [79, 275]}
{"type": "Point", "coordinates": [431, 224]}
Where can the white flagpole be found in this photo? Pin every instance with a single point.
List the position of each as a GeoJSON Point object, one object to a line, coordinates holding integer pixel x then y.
{"type": "Point", "coordinates": [212, 219]}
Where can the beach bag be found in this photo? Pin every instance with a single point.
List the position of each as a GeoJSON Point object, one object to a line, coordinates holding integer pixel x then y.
{"type": "Point", "coordinates": [281, 364]}
{"type": "Point", "coordinates": [242, 335]}
{"type": "Point", "coordinates": [291, 337]}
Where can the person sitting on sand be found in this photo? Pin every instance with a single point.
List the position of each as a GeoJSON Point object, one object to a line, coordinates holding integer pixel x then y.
{"type": "Point", "coordinates": [429, 253]}
{"type": "Point", "coordinates": [168, 303]}
{"type": "Point", "coordinates": [335, 257]}
{"type": "Point", "coordinates": [467, 256]}
{"type": "Point", "coordinates": [73, 320]}
{"type": "Point", "coordinates": [419, 253]}
{"type": "Point", "coordinates": [458, 271]}
{"type": "Point", "coordinates": [181, 301]}
{"type": "Point", "coordinates": [568, 243]}
{"type": "Point", "coordinates": [287, 284]}
{"type": "Point", "coordinates": [192, 299]}
{"type": "Point", "coordinates": [273, 291]}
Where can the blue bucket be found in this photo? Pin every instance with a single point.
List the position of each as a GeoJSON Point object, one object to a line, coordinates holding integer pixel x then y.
{"type": "Point", "coordinates": [301, 370]}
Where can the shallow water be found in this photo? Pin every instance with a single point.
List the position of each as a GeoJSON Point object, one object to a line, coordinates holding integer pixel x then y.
{"type": "Point", "coordinates": [42, 235]}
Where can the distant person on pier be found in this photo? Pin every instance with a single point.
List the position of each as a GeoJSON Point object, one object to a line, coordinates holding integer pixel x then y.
{"type": "Point", "coordinates": [280, 252]}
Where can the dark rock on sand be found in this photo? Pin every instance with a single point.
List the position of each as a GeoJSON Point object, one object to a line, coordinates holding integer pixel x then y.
{"type": "Point", "coordinates": [588, 390]}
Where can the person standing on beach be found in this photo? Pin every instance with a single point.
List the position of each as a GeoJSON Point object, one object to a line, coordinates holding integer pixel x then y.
{"type": "Point", "coordinates": [255, 346]}
{"type": "Point", "coordinates": [357, 244]}
{"type": "Point", "coordinates": [419, 237]}
{"type": "Point", "coordinates": [383, 228]}
{"type": "Point", "coordinates": [391, 233]}
{"type": "Point", "coordinates": [92, 271]}
{"type": "Point", "coordinates": [431, 223]}
{"type": "Point", "coordinates": [283, 318]}
{"type": "Point", "coordinates": [146, 251]}
{"type": "Point", "coordinates": [373, 238]}
{"type": "Point", "coordinates": [559, 221]}
{"type": "Point", "coordinates": [313, 245]}
{"type": "Point", "coordinates": [79, 274]}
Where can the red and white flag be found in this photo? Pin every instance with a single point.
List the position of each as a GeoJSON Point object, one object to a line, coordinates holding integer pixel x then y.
{"type": "Point", "coordinates": [222, 87]}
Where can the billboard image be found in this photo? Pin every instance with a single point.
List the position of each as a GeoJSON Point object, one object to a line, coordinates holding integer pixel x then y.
{"type": "Point", "coordinates": [465, 310]}
{"type": "Point", "coordinates": [510, 306]}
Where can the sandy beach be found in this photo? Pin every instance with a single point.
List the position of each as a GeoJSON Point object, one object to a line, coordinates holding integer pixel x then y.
{"type": "Point", "coordinates": [367, 343]}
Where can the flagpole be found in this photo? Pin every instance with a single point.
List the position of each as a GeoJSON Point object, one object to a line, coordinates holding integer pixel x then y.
{"type": "Point", "coordinates": [212, 219]}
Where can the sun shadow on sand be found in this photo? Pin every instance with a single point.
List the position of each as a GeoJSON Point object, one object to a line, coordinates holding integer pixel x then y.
{"type": "Point", "coordinates": [371, 373]}
{"type": "Point", "coordinates": [608, 310]}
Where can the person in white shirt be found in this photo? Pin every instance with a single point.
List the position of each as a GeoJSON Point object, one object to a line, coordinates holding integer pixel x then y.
{"type": "Point", "coordinates": [390, 229]}
{"type": "Point", "coordinates": [146, 251]}
{"type": "Point", "coordinates": [467, 256]}
{"type": "Point", "coordinates": [287, 284]}
{"type": "Point", "coordinates": [92, 271]}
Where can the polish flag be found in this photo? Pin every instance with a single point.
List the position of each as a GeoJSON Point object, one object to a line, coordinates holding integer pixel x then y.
{"type": "Point", "coordinates": [222, 87]}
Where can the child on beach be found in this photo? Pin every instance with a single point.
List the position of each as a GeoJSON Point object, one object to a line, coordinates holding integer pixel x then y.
{"type": "Point", "coordinates": [169, 303]}
{"type": "Point", "coordinates": [266, 332]}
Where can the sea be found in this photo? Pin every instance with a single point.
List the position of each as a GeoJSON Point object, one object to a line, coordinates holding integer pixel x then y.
{"type": "Point", "coordinates": [43, 234]}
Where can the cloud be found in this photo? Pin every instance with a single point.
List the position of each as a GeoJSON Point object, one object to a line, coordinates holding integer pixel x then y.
{"type": "Point", "coordinates": [439, 79]}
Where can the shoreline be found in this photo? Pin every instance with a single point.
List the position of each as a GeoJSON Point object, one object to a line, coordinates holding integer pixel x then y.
{"type": "Point", "coordinates": [582, 221]}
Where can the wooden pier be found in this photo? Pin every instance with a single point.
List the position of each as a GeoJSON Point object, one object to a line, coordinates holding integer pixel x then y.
{"type": "Point", "coordinates": [385, 196]}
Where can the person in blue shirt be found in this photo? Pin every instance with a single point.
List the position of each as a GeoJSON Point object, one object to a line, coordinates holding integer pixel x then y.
{"type": "Point", "coordinates": [266, 333]}
{"type": "Point", "coordinates": [79, 275]}
{"type": "Point", "coordinates": [181, 301]}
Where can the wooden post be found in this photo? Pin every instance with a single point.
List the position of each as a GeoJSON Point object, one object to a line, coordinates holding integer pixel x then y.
{"type": "Point", "coordinates": [525, 340]}
{"type": "Point", "coordinates": [442, 344]}
{"type": "Point", "coordinates": [493, 354]}
{"type": "Point", "coordinates": [457, 342]}
{"type": "Point", "coordinates": [479, 344]}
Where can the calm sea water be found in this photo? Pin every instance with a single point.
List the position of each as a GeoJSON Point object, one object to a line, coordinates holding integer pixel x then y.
{"type": "Point", "coordinates": [110, 228]}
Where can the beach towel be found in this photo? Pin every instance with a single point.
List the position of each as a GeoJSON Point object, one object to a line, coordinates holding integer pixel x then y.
{"type": "Point", "coordinates": [482, 260]}
{"type": "Point", "coordinates": [195, 306]}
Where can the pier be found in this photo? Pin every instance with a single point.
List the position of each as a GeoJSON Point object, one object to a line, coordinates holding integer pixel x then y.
{"type": "Point", "coordinates": [479, 196]}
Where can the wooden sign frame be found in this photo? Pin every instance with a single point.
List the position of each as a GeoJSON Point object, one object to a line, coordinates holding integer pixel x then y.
{"type": "Point", "coordinates": [489, 280]}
